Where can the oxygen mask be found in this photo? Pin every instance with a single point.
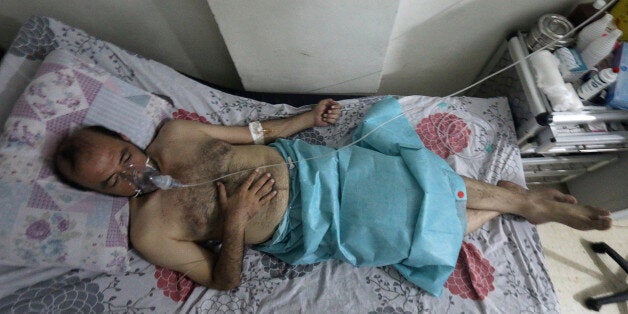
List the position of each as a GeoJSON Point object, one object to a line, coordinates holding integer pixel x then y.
{"type": "Point", "coordinates": [146, 178]}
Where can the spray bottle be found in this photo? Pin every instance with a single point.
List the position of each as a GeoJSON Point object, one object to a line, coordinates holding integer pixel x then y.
{"type": "Point", "coordinates": [597, 83]}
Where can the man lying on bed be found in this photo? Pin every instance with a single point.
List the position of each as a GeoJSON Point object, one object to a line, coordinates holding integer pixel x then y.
{"type": "Point", "coordinates": [386, 201]}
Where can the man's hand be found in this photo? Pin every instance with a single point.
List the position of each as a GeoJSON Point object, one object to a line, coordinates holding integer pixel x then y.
{"type": "Point", "coordinates": [326, 112]}
{"type": "Point", "coordinates": [255, 192]}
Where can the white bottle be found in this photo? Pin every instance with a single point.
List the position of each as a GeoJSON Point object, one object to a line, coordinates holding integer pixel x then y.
{"type": "Point", "coordinates": [597, 83]}
{"type": "Point", "coordinates": [593, 31]}
{"type": "Point", "coordinates": [598, 4]}
{"type": "Point", "coordinates": [600, 48]}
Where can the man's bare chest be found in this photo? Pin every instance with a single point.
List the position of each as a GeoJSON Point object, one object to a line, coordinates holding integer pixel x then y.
{"type": "Point", "coordinates": [188, 213]}
{"type": "Point", "coordinates": [192, 213]}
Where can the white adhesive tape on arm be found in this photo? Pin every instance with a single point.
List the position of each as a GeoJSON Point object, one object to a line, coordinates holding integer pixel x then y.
{"type": "Point", "coordinates": [257, 132]}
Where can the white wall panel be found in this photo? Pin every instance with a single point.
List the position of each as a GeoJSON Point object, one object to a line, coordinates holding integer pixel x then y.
{"type": "Point", "coordinates": [307, 46]}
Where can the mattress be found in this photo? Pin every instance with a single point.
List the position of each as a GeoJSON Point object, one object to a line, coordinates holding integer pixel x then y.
{"type": "Point", "coordinates": [501, 266]}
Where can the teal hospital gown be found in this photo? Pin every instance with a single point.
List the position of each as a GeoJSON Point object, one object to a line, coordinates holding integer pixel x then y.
{"type": "Point", "coordinates": [386, 201]}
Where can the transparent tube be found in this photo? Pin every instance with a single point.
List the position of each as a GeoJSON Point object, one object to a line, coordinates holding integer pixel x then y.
{"type": "Point", "coordinates": [148, 179]}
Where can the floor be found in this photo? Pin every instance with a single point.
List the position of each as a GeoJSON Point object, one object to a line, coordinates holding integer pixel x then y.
{"type": "Point", "coordinates": [577, 272]}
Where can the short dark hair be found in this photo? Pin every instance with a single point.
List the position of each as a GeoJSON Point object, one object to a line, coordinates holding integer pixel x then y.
{"type": "Point", "coordinates": [70, 149]}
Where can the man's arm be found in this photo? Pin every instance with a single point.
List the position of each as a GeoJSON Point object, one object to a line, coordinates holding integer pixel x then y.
{"type": "Point", "coordinates": [326, 112]}
{"type": "Point", "coordinates": [237, 210]}
{"type": "Point", "coordinates": [220, 270]}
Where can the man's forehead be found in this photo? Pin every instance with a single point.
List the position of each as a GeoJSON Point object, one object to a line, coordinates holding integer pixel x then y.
{"type": "Point", "coordinates": [94, 164]}
{"type": "Point", "coordinates": [93, 137]}
{"type": "Point", "coordinates": [96, 147]}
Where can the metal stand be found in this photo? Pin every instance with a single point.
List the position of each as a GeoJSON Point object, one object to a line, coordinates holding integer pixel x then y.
{"type": "Point", "coordinates": [596, 303]}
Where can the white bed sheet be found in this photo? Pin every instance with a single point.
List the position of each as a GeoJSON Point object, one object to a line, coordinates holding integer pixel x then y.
{"type": "Point", "coordinates": [501, 268]}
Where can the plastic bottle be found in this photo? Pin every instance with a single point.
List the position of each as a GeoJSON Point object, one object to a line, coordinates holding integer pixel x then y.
{"type": "Point", "coordinates": [584, 11]}
{"type": "Point", "coordinates": [594, 31]}
{"type": "Point", "coordinates": [597, 83]}
{"type": "Point", "coordinates": [600, 48]}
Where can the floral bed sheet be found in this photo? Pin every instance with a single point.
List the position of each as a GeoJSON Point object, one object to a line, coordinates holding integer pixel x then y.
{"type": "Point", "coordinates": [501, 267]}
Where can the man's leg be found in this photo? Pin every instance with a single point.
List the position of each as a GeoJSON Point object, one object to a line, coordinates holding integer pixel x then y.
{"type": "Point", "coordinates": [476, 217]}
{"type": "Point", "coordinates": [486, 201]}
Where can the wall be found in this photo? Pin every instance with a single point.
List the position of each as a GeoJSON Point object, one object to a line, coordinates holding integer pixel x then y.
{"type": "Point", "coordinates": [439, 47]}
{"type": "Point", "coordinates": [181, 34]}
{"type": "Point", "coordinates": [606, 187]}
{"type": "Point", "coordinates": [307, 46]}
{"type": "Point", "coordinates": [436, 47]}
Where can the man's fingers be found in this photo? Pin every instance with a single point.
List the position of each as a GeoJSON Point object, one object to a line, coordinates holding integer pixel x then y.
{"type": "Point", "coordinates": [328, 101]}
{"type": "Point", "coordinates": [266, 188]}
{"type": "Point", "coordinates": [249, 181]}
{"type": "Point", "coordinates": [261, 180]}
{"type": "Point", "coordinates": [222, 193]}
{"type": "Point", "coordinates": [331, 116]}
{"type": "Point", "coordinates": [267, 197]}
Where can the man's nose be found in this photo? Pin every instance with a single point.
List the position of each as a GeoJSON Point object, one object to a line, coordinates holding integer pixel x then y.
{"type": "Point", "coordinates": [127, 175]}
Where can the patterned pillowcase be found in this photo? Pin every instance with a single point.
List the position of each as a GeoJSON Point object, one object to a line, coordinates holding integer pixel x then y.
{"type": "Point", "coordinates": [44, 222]}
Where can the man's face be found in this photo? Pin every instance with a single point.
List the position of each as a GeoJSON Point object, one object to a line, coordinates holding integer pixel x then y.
{"type": "Point", "coordinates": [102, 163]}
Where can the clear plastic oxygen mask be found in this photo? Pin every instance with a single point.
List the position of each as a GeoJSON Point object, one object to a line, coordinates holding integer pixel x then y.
{"type": "Point", "coordinates": [147, 178]}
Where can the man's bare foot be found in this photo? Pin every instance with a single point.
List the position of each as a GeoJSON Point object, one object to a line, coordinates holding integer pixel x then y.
{"type": "Point", "coordinates": [552, 205]}
{"type": "Point", "coordinates": [573, 215]}
{"type": "Point", "coordinates": [549, 193]}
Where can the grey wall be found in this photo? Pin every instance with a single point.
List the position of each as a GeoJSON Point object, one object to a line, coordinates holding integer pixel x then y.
{"type": "Point", "coordinates": [181, 34]}
{"type": "Point", "coordinates": [436, 47]}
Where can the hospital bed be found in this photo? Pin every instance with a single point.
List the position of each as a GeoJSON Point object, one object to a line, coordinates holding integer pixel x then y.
{"type": "Point", "coordinates": [67, 250]}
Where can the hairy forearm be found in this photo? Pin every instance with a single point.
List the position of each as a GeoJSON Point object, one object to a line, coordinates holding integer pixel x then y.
{"type": "Point", "coordinates": [228, 268]}
{"type": "Point", "coordinates": [325, 113]}
{"type": "Point", "coordinates": [286, 127]}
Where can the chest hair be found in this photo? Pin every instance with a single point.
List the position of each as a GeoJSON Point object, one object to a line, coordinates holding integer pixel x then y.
{"type": "Point", "coordinates": [195, 209]}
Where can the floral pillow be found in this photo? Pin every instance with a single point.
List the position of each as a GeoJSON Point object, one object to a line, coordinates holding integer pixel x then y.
{"type": "Point", "coordinates": [43, 222]}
